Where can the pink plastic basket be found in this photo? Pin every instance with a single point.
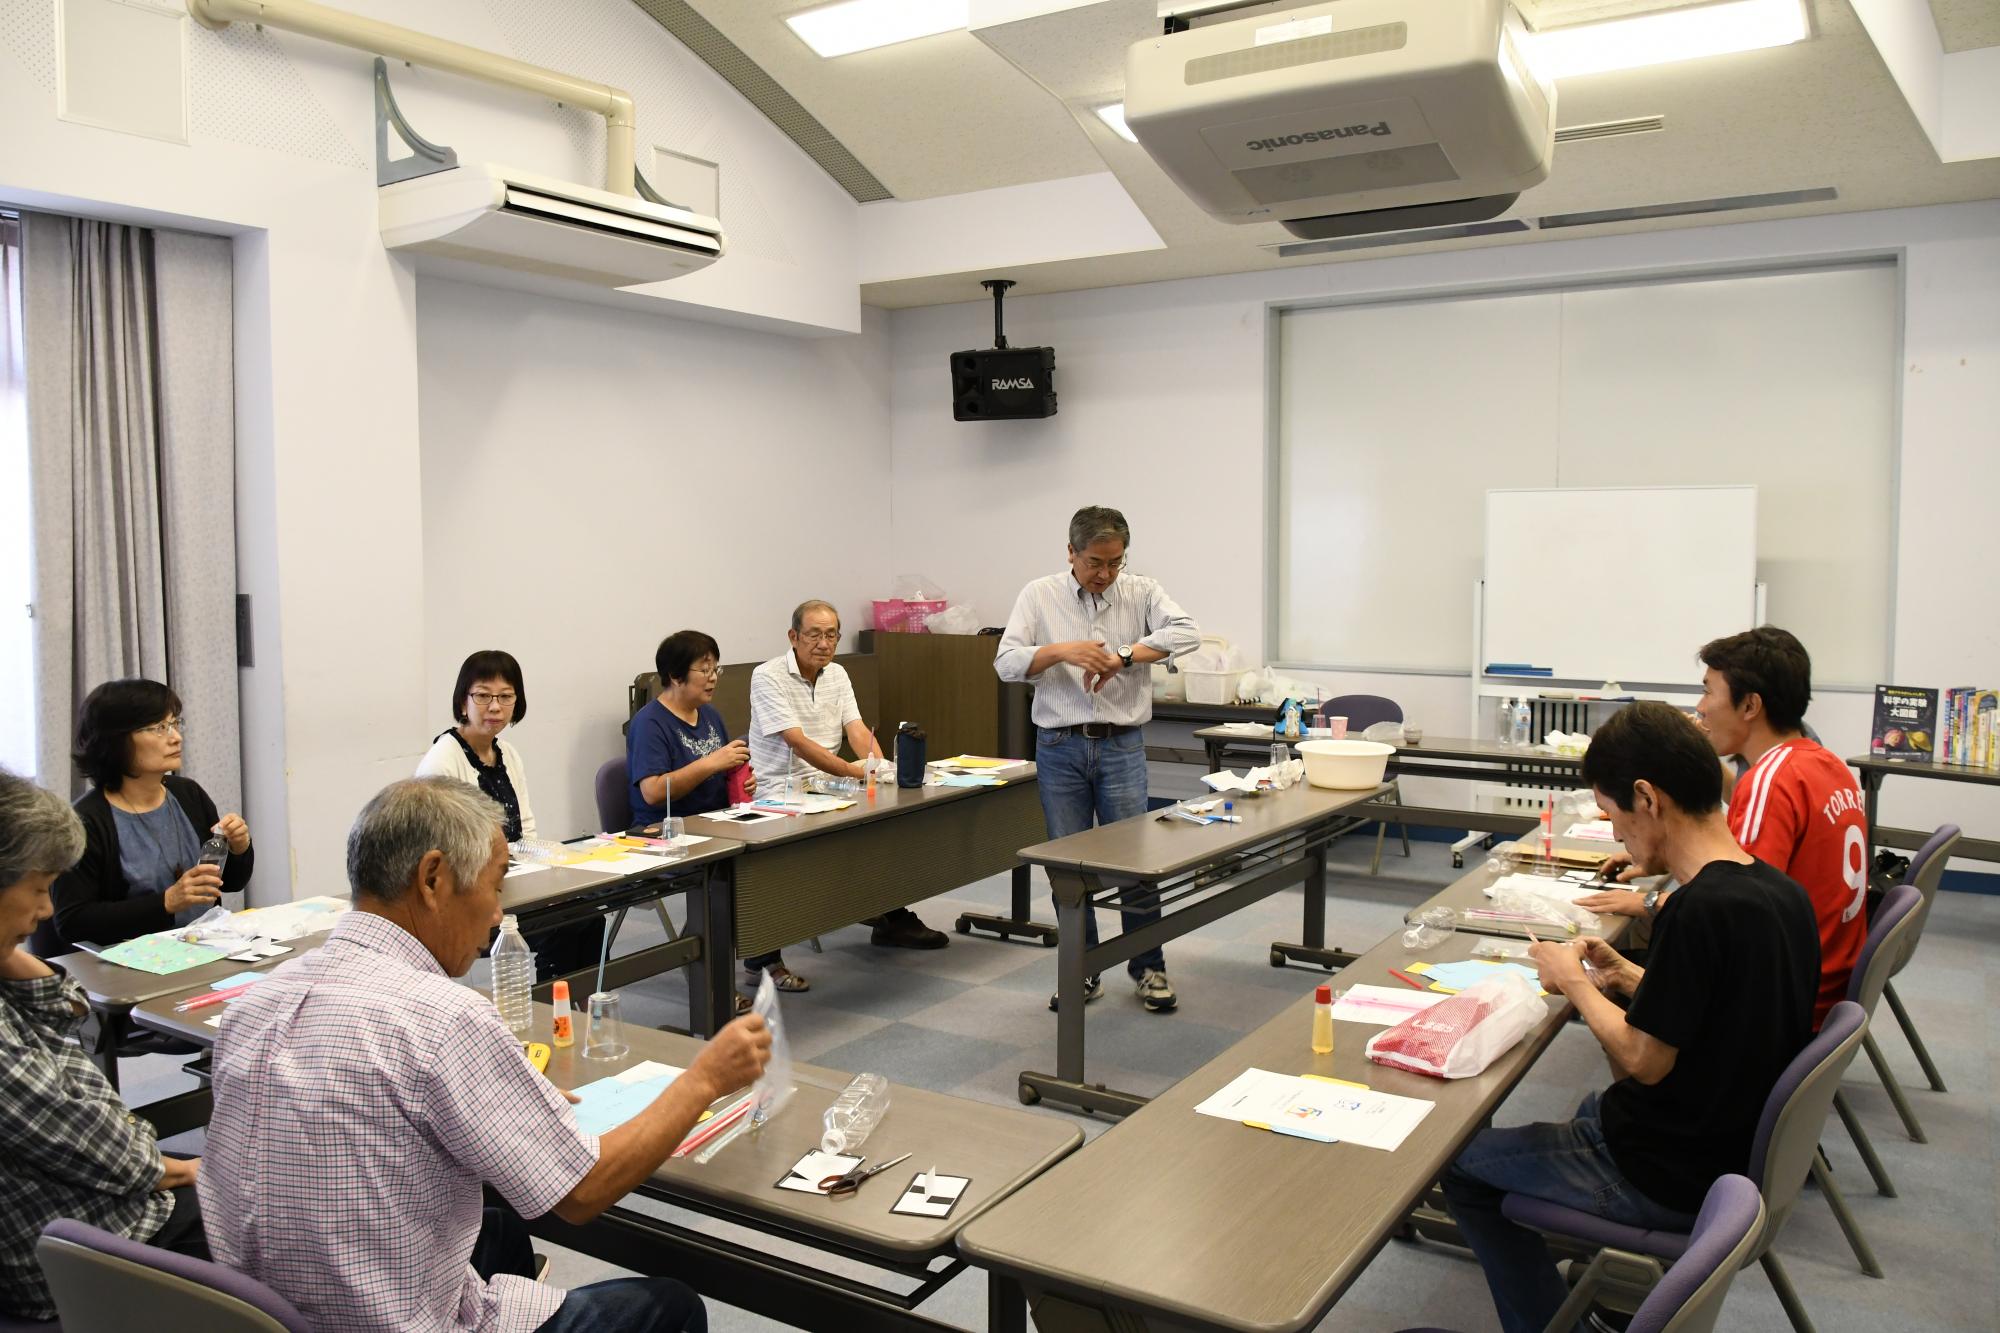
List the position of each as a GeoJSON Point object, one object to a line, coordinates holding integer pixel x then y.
{"type": "Point", "coordinates": [897, 616]}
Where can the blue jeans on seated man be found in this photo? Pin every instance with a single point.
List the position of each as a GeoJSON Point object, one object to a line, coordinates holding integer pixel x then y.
{"type": "Point", "coordinates": [621, 1305]}
{"type": "Point", "coordinates": [1084, 781]}
{"type": "Point", "coordinates": [1565, 1163]}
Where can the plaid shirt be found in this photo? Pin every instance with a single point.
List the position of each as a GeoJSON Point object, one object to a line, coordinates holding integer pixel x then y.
{"type": "Point", "coordinates": [361, 1099]}
{"type": "Point", "coordinates": [68, 1146]}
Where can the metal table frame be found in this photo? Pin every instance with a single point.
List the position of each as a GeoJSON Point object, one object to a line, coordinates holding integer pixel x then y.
{"type": "Point", "coordinates": [1872, 769]}
{"type": "Point", "coordinates": [1201, 895]}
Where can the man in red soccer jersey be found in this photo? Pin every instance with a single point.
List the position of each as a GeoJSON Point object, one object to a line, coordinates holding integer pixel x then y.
{"type": "Point", "coordinates": [1796, 807]}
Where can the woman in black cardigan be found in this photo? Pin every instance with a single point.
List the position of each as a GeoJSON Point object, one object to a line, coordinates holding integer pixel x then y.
{"type": "Point", "coordinates": [144, 826]}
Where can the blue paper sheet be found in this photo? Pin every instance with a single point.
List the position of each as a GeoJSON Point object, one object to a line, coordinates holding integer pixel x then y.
{"type": "Point", "coordinates": [609, 1102]}
{"type": "Point", "coordinates": [1468, 972]}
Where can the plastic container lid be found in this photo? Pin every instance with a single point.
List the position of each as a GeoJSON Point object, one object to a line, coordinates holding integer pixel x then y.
{"type": "Point", "coordinates": [507, 922]}
{"type": "Point", "coordinates": [1323, 995]}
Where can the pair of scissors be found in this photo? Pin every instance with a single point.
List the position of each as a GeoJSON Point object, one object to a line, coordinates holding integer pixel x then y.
{"type": "Point", "coordinates": [836, 1186]}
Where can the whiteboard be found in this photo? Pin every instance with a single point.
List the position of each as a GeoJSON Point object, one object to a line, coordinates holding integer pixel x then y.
{"type": "Point", "coordinates": [1617, 583]}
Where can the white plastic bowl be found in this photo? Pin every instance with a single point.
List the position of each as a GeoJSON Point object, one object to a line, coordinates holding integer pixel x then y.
{"type": "Point", "coordinates": [1345, 765]}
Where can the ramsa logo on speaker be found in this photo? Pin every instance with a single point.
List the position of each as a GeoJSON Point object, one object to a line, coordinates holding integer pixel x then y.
{"type": "Point", "coordinates": [1022, 382]}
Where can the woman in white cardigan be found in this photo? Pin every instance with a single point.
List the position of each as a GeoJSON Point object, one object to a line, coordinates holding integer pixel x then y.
{"type": "Point", "coordinates": [487, 700]}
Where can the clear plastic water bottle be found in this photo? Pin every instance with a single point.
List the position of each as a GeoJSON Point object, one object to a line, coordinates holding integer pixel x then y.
{"type": "Point", "coordinates": [855, 1113]}
{"type": "Point", "coordinates": [513, 977]}
{"type": "Point", "coordinates": [1520, 728]}
{"type": "Point", "coordinates": [1503, 725]}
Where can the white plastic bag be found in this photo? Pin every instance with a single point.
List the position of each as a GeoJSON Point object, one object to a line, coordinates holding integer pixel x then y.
{"type": "Point", "coordinates": [774, 1085]}
{"type": "Point", "coordinates": [960, 619]}
{"type": "Point", "coordinates": [1459, 1037]}
{"type": "Point", "coordinates": [1552, 905]}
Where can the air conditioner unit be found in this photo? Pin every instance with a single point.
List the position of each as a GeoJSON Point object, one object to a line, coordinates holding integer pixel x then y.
{"type": "Point", "coordinates": [1343, 118]}
{"type": "Point", "coordinates": [484, 214]}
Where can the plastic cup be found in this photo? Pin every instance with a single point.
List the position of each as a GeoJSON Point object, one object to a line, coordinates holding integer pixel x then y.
{"type": "Point", "coordinates": [1336, 728]}
{"type": "Point", "coordinates": [605, 1037]}
{"type": "Point", "coordinates": [674, 832]}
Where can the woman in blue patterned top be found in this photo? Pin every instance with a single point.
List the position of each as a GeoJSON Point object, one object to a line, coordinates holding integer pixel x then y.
{"type": "Point", "coordinates": [680, 759]}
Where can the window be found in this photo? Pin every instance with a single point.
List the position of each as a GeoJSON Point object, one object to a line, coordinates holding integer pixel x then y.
{"type": "Point", "coordinates": [17, 543]}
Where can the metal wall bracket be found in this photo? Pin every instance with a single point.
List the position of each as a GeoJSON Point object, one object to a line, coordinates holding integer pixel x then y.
{"type": "Point", "coordinates": [651, 195]}
{"type": "Point", "coordinates": [430, 157]}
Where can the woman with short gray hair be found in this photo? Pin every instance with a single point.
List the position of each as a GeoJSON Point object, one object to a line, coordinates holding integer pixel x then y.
{"type": "Point", "coordinates": [68, 1146]}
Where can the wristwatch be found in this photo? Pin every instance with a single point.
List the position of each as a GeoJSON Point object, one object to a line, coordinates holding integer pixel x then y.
{"type": "Point", "coordinates": [1651, 903]}
{"type": "Point", "coordinates": [1125, 653]}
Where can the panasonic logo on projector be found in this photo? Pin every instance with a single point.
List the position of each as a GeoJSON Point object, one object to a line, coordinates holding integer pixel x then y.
{"type": "Point", "coordinates": [1314, 136]}
{"type": "Point", "coordinates": [1022, 382]}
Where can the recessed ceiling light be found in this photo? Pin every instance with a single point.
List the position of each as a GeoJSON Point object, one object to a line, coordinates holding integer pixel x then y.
{"type": "Point", "coordinates": [861, 25]}
{"type": "Point", "coordinates": [1114, 116]}
{"type": "Point", "coordinates": [1661, 38]}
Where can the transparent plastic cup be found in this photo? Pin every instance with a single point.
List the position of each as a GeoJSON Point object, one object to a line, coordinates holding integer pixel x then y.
{"type": "Point", "coordinates": [604, 1039]}
{"type": "Point", "coordinates": [674, 832]}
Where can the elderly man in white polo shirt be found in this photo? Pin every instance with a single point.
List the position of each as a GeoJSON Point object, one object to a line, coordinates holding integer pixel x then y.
{"type": "Point", "coordinates": [801, 705]}
{"type": "Point", "coordinates": [363, 1099]}
{"type": "Point", "coordinates": [1085, 638]}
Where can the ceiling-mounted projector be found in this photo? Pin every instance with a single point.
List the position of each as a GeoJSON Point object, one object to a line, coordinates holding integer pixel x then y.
{"type": "Point", "coordinates": [1343, 118]}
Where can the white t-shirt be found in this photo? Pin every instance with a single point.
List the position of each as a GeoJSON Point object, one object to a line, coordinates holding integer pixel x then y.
{"type": "Point", "coordinates": [780, 699]}
{"type": "Point", "coordinates": [447, 758]}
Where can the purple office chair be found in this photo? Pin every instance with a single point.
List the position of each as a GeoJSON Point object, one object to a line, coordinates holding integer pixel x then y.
{"type": "Point", "coordinates": [1784, 1152]}
{"type": "Point", "coordinates": [613, 790]}
{"type": "Point", "coordinates": [1688, 1297]}
{"type": "Point", "coordinates": [1363, 711]}
{"type": "Point", "coordinates": [1925, 872]}
{"type": "Point", "coordinates": [101, 1283]}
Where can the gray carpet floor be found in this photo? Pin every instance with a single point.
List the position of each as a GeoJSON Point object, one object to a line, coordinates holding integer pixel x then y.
{"type": "Point", "coordinates": [967, 1019]}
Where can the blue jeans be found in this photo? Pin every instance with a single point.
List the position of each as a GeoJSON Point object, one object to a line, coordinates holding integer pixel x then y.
{"type": "Point", "coordinates": [1082, 780]}
{"type": "Point", "coordinates": [622, 1305]}
{"type": "Point", "coordinates": [1564, 1163]}
{"type": "Point", "coordinates": [630, 1305]}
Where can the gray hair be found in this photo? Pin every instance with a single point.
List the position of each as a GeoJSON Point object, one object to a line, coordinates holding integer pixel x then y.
{"type": "Point", "coordinates": [1096, 523]}
{"type": "Point", "coordinates": [800, 611]}
{"type": "Point", "coordinates": [409, 818]}
{"type": "Point", "coordinates": [39, 833]}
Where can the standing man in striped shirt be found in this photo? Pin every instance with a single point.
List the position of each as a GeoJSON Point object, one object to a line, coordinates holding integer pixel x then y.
{"type": "Point", "coordinates": [1085, 639]}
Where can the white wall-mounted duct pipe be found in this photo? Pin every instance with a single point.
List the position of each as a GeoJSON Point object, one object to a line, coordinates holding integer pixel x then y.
{"type": "Point", "coordinates": [386, 39]}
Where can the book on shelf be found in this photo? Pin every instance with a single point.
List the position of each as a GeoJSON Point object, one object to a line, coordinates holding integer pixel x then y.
{"type": "Point", "coordinates": [1969, 727]}
{"type": "Point", "coordinates": [1905, 723]}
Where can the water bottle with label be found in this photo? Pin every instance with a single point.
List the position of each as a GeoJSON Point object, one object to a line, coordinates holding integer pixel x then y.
{"type": "Point", "coordinates": [513, 965]}
{"type": "Point", "coordinates": [1522, 723]}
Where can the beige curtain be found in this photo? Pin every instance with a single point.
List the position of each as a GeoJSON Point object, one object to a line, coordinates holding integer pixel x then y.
{"type": "Point", "coordinates": [131, 444]}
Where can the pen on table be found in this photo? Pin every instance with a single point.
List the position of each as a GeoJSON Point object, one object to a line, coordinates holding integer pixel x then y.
{"type": "Point", "coordinates": [1406, 979]}
{"type": "Point", "coordinates": [213, 997]}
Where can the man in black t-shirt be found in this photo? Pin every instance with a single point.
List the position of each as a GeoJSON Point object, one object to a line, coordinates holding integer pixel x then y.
{"type": "Point", "coordinates": [1723, 1005]}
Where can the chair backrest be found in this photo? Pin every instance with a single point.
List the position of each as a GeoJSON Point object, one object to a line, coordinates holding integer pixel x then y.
{"type": "Point", "coordinates": [1891, 937]}
{"type": "Point", "coordinates": [732, 692]}
{"type": "Point", "coordinates": [102, 1281]}
{"type": "Point", "coordinates": [1926, 871]}
{"type": "Point", "coordinates": [1362, 711]}
{"type": "Point", "coordinates": [1795, 1112]}
{"type": "Point", "coordinates": [1689, 1298]}
{"type": "Point", "coordinates": [15, 1324]}
{"type": "Point", "coordinates": [613, 790]}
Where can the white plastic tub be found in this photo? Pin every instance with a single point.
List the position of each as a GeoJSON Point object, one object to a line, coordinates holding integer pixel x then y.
{"type": "Point", "coordinates": [1345, 765]}
{"type": "Point", "coordinates": [1211, 687]}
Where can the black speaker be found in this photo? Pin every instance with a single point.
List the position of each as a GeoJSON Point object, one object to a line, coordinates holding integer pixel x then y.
{"type": "Point", "coordinates": [1003, 384]}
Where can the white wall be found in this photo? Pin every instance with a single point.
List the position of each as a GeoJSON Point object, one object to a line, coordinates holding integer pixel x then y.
{"type": "Point", "coordinates": [594, 480]}
{"type": "Point", "coordinates": [330, 505]}
{"type": "Point", "coordinates": [1163, 392]}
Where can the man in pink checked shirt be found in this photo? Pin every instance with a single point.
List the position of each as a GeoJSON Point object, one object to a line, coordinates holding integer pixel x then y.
{"type": "Point", "coordinates": [363, 1100]}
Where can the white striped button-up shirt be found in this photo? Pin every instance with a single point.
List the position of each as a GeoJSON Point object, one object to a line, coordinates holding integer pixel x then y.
{"type": "Point", "coordinates": [361, 1099]}
{"type": "Point", "coordinates": [1134, 610]}
{"type": "Point", "coordinates": [780, 699]}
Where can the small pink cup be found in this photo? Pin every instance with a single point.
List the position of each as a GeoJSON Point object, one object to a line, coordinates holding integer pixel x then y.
{"type": "Point", "coordinates": [1336, 727]}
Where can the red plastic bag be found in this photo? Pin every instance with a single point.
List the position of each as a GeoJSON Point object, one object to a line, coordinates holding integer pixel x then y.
{"type": "Point", "coordinates": [1459, 1037]}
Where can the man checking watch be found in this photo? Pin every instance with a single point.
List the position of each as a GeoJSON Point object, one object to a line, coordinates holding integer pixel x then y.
{"type": "Point", "coordinates": [1125, 655]}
